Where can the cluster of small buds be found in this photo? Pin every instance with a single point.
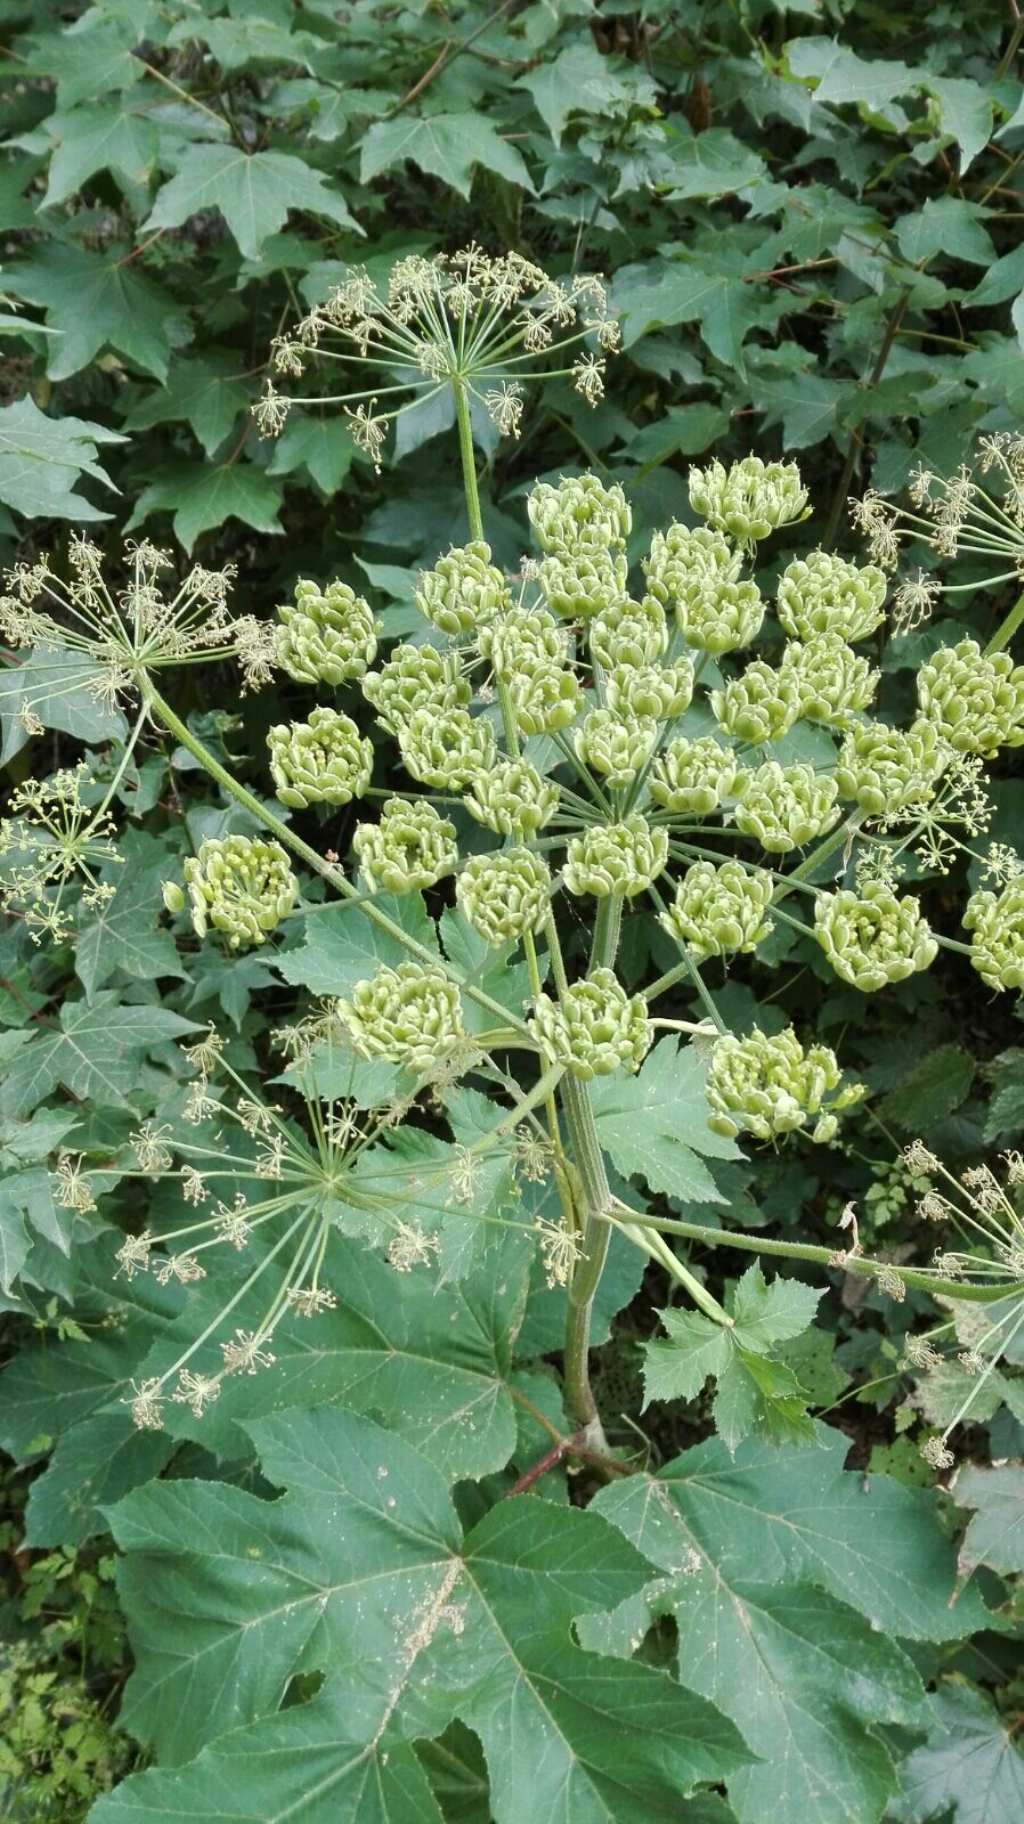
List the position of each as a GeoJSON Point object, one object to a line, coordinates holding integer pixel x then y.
{"type": "Point", "coordinates": [577, 585]}
{"type": "Point", "coordinates": [463, 592]}
{"type": "Point", "coordinates": [718, 615]}
{"type": "Point", "coordinates": [975, 700]}
{"type": "Point", "coordinates": [693, 776]}
{"type": "Point", "coordinates": [326, 636]}
{"type": "Point", "coordinates": [628, 633]}
{"type": "Point", "coordinates": [447, 751]}
{"type": "Point", "coordinates": [615, 748]}
{"type": "Point", "coordinates": [873, 937]}
{"type": "Point", "coordinates": [684, 561]}
{"type": "Point", "coordinates": [512, 799]}
{"type": "Point", "coordinates": [622, 858]}
{"type": "Point", "coordinates": [595, 1028]}
{"type": "Point", "coordinates": [411, 1015]}
{"type": "Point", "coordinates": [527, 651]}
{"type": "Point", "coordinates": [505, 894]}
{"type": "Point", "coordinates": [834, 683]}
{"type": "Point", "coordinates": [323, 761]}
{"type": "Point", "coordinates": [785, 807]}
{"type": "Point", "coordinates": [411, 847]}
{"type": "Point", "coordinates": [749, 500]}
{"type": "Point", "coordinates": [720, 910]}
{"type": "Point", "coordinates": [822, 593]}
{"type": "Point", "coordinates": [769, 1085]}
{"type": "Point", "coordinates": [887, 769]}
{"type": "Point", "coordinates": [581, 515]}
{"type": "Point", "coordinates": [240, 887]}
{"type": "Point", "coordinates": [661, 691]}
{"type": "Point", "coordinates": [415, 677]}
{"type": "Point", "coordinates": [760, 705]}
{"type": "Point", "coordinates": [996, 924]}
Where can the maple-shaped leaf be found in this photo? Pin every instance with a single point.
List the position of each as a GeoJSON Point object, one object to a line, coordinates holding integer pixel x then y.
{"type": "Point", "coordinates": [252, 190]}
{"type": "Point", "coordinates": [362, 1571]}
{"type": "Point", "coordinates": [447, 146]}
{"type": "Point", "coordinates": [755, 1393]}
{"type": "Point", "coordinates": [107, 137]}
{"type": "Point", "coordinates": [42, 459]}
{"type": "Point", "coordinates": [96, 301]}
{"type": "Point", "coordinates": [201, 499]}
{"type": "Point", "coordinates": [655, 1124]}
{"type": "Point", "coordinates": [203, 390]}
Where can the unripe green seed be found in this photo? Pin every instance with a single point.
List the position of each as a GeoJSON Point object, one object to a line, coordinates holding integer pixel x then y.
{"type": "Point", "coordinates": [886, 769]}
{"type": "Point", "coordinates": [717, 615]}
{"type": "Point", "coordinates": [661, 691]}
{"type": "Point", "coordinates": [693, 775]}
{"type": "Point", "coordinates": [628, 633]}
{"type": "Point", "coordinates": [822, 593]}
{"type": "Point", "coordinates": [975, 700]}
{"type": "Point", "coordinates": [996, 924]}
{"type": "Point", "coordinates": [415, 677]}
{"type": "Point", "coordinates": [446, 751]}
{"type": "Point", "coordinates": [581, 516]}
{"type": "Point", "coordinates": [512, 799]}
{"type": "Point", "coordinates": [760, 705]}
{"type": "Point", "coordinates": [833, 681]}
{"type": "Point", "coordinates": [749, 500]}
{"type": "Point", "coordinates": [768, 1086]}
{"type": "Point", "coordinates": [785, 807]}
{"type": "Point", "coordinates": [579, 586]}
{"type": "Point", "coordinates": [616, 748]}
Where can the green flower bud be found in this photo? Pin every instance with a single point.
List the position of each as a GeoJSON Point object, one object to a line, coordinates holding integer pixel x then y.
{"type": "Point", "coordinates": [721, 909]}
{"type": "Point", "coordinates": [596, 1028]}
{"type": "Point", "coordinates": [693, 775]}
{"type": "Point", "coordinates": [821, 593]}
{"type": "Point", "coordinates": [771, 1086]}
{"type": "Point", "coordinates": [785, 807]}
{"type": "Point", "coordinates": [749, 500]}
{"type": "Point", "coordinates": [760, 705]}
{"type": "Point", "coordinates": [411, 847]}
{"type": "Point", "coordinates": [446, 750]}
{"type": "Point", "coordinates": [512, 799]}
{"type": "Point", "coordinates": [717, 616]}
{"type": "Point", "coordinates": [415, 677]}
{"type": "Point", "coordinates": [685, 562]}
{"type": "Point", "coordinates": [580, 586]}
{"type": "Point", "coordinates": [886, 769]}
{"type": "Point", "coordinates": [616, 858]}
{"type": "Point", "coordinates": [322, 761]}
{"type": "Point", "coordinates": [996, 922]}
{"type": "Point", "coordinates": [548, 700]}
{"type": "Point", "coordinates": [411, 1015]}
{"type": "Point", "coordinates": [326, 637]}
{"type": "Point", "coordinates": [174, 898]}
{"type": "Point", "coordinates": [976, 701]}
{"type": "Point", "coordinates": [628, 633]}
{"type": "Point", "coordinates": [240, 887]}
{"type": "Point", "coordinates": [873, 937]}
{"type": "Point", "coordinates": [833, 681]}
{"type": "Point", "coordinates": [523, 644]}
{"type": "Point", "coordinates": [463, 592]}
{"type": "Point", "coordinates": [618, 749]}
{"type": "Point", "coordinates": [504, 895]}
{"type": "Point", "coordinates": [661, 691]}
{"type": "Point", "coordinates": [581, 516]}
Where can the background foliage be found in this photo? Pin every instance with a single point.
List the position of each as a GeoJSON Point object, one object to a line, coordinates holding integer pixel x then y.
{"type": "Point", "coordinates": [810, 220]}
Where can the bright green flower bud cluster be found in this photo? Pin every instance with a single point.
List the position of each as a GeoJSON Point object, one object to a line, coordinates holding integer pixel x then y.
{"type": "Point", "coordinates": [717, 616]}
{"type": "Point", "coordinates": [415, 677]}
{"type": "Point", "coordinates": [616, 858]}
{"type": "Point", "coordinates": [579, 585]}
{"type": "Point", "coordinates": [239, 887]}
{"type": "Point", "coordinates": [768, 1086]}
{"type": "Point", "coordinates": [596, 1028]}
{"type": "Point", "coordinates": [528, 652]}
{"type": "Point", "coordinates": [411, 847]}
{"type": "Point", "coordinates": [512, 799]}
{"type": "Point", "coordinates": [833, 681]}
{"type": "Point", "coordinates": [751, 499]}
{"type": "Point", "coordinates": [326, 636]}
{"type": "Point", "coordinates": [628, 633]}
{"type": "Point", "coordinates": [976, 701]}
{"type": "Point", "coordinates": [821, 593]}
{"type": "Point", "coordinates": [581, 515]}
{"type": "Point", "coordinates": [661, 691]}
{"type": "Point", "coordinates": [504, 895]}
{"type": "Point", "coordinates": [411, 1015]}
{"type": "Point", "coordinates": [463, 592]}
{"type": "Point", "coordinates": [614, 747]}
{"type": "Point", "coordinates": [996, 924]}
{"type": "Point", "coordinates": [448, 750]}
{"type": "Point", "coordinates": [873, 937]}
{"type": "Point", "coordinates": [762, 704]}
{"type": "Point", "coordinates": [684, 560]}
{"type": "Point", "coordinates": [785, 807]}
{"type": "Point", "coordinates": [718, 910]}
{"type": "Point", "coordinates": [885, 769]}
{"type": "Point", "coordinates": [693, 776]}
{"type": "Point", "coordinates": [322, 761]}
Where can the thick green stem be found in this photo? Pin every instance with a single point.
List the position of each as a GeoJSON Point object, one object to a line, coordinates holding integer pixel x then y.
{"type": "Point", "coordinates": [1007, 628]}
{"type": "Point", "coordinates": [162, 712]}
{"type": "Point", "coordinates": [466, 451]}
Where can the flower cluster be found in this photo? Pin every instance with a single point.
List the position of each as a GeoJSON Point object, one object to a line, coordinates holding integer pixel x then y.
{"type": "Point", "coordinates": [595, 1028]}
{"type": "Point", "coordinates": [411, 1015]}
{"type": "Point", "coordinates": [873, 937]}
{"type": "Point", "coordinates": [770, 1085]}
{"type": "Point", "coordinates": [505, 895]}
{"type": "Point", "coordinates": [720, 910]}
{"type": "Point", "coordinates": [53, 840]}
{"type": "Point", "coordinates": [323, 761]}
{"type": "Point", "coordinates": [325, 636]}
{"type": "Point", "coordinates": [241, 888]}
{"type": "Point", "coordinates": [411, 847]}
{"type": "Point", "coordinates": [996, 924]}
